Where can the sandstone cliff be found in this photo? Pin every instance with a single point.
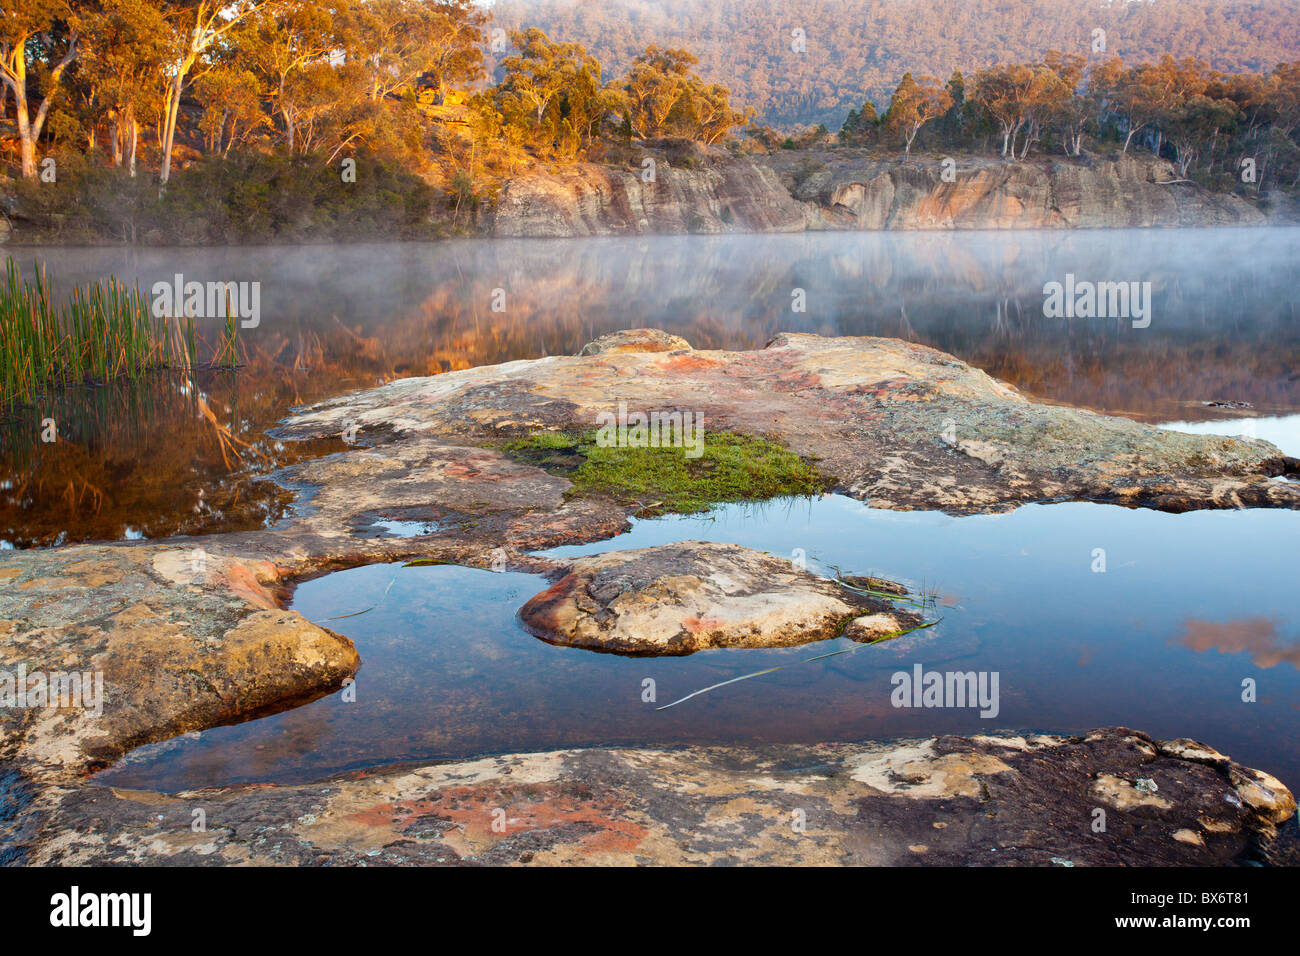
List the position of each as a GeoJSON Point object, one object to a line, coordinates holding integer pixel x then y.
{"type": "Point", "coordinates": [711, 192]}
{"type": "Point", "coordinates": [586, 199]}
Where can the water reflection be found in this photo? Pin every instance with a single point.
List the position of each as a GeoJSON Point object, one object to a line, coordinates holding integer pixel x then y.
{"type": "Point", "coordinates": [168, 454]}
{"type": "Point", "coordinates": [1257, 636]}
{"type": "Point", "coordinates": [1224, 328]}
{"type": "Point", "coordinates": [448, 672]}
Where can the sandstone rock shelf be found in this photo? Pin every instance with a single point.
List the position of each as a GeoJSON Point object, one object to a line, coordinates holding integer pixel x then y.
{"type": "Point", "coordinates": [190, 633]}
{"type": "Point", "coordinates": [952, 801]}
{"type": "Point", "coordinates": [685, 597]}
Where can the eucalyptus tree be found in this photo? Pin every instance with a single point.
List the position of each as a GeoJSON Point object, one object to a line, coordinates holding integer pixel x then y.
{"type": "Point", "coordinates": [916, 101]}
{"type": "Point", "coordinates": [39, 39]}
{"type": "Point", "coordinates": [121, 65]}
{"type": "Point", "coordinates": [197, 26]}
{"type": "Point", "coordinates": [405, 44]}
{"type": "Point", "coordinates": [287, 49]}
{"type": "Point", "coordinates": [657, 80]}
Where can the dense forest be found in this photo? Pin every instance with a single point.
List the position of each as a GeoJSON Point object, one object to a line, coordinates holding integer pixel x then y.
{"type": "Point", "coordinates": [212, 121]}
{"type": "Point", "coordinates": [852, 48]}
{"type": "Point", "coordinates": [1222, 129]}
{"type": "Point", "coordinates": [272, 105]}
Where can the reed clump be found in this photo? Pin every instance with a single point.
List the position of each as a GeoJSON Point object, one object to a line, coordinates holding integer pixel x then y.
{"type": "Point", "coordinates": [105, 331]}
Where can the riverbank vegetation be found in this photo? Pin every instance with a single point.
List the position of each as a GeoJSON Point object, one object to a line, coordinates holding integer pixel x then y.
{"type": "Point", "coordinates": [175, 121]}
{"type": "Point", "coordinates": [104, 331]}
{"type": "Point", "coordinates": [1226, 131]}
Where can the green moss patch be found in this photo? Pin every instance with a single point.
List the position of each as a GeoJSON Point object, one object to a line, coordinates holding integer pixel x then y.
{"type": "Point", "coordinates": [664, 480]}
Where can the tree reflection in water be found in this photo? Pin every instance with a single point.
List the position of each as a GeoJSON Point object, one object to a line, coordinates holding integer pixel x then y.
{"type": "Point", "coordinates": [149, 460]}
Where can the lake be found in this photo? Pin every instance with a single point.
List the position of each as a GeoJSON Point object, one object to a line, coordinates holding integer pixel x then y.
{"type": "Point", "coordinates": [1187, 608]}
{"type": "Point", "coordinates": [137, 462]}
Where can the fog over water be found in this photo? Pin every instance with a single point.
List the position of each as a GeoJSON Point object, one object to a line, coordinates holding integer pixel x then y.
{"type": "Point", "coordinates": [1223, 328]}
{"type": "Point", "coordinates": [1190, 605]}
{"type": "Point", "coordinates": [973, 293]}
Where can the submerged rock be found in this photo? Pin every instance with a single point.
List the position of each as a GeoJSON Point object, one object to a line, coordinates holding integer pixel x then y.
{"type": "Point", "coordinates": [686, 597]}
{"type": "Point", "coordinates": [941, 801]}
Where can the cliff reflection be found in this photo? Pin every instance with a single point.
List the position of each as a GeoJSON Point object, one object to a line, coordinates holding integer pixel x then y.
{"type": "Point", "coordinates": [1224, 327]}
{"type": "Point", "coordinates": [1256, 636]}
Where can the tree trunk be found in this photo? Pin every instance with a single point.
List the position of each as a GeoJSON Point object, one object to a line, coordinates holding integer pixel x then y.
{"type": "Point", "coordinates": [115, 137]}
{"type": "Point", "coordinates": [29, 129]}
{"type": "Point", "coordinates": [16, 79]}
{"type": "Point", "coordinates": [27, 143]}
{"type": "Point", "coordinates": [135, 140]}
{"type": "Point", "coordinates": [1031, 135]}
{"type": "Point", "coordinates": [173, 108]}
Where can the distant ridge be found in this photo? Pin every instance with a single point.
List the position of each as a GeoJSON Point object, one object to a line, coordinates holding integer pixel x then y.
{"type": "Point", "coordinates": [857, 48]}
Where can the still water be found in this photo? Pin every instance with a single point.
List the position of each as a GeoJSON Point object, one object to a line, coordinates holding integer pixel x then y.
{"type": "Point", "coordinates": [1188, 607]}
{"type": "Point", "coordinates": [183, 457]}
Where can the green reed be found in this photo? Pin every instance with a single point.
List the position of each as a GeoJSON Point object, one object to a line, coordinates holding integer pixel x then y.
{"type": "Point", "coordinates": [105, 331]}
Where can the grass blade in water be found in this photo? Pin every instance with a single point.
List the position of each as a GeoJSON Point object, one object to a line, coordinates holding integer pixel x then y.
{"type": "Point", "coordinates": [819, 657]}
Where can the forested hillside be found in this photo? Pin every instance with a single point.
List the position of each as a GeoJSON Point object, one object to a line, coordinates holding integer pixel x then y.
{"type": "Point", "coordinates": [230, 120]}
{"type": "Point", "coordinates": [857, 48]}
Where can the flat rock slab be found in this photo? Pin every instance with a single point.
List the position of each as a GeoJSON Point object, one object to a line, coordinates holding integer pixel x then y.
{"type": "Point", "coordinates": [164, 640]}
{"type": "Point", "coordinates": [686, 597]}
{"type": "Point", "coordinates": [892, 423]}
{"type": "Point", "coordinates": [191, 633]}
{"type": "Point", "coordinates": [948, 801]}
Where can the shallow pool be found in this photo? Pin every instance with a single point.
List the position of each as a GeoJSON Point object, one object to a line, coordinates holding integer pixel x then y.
{"type": "Point", "coordinates": [1091, 615]}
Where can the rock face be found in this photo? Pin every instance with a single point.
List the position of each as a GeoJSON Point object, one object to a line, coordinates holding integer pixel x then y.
{"type": "Point", "coordinates": [590, 200]}
{"type": "Point", "coordinates": [686, 597]}
{"type": "Point", "coordinates": [852, 190]}
{"type": "Point", "coordinates": [946, 801]}
{"type": "Point", "coordinates": [709, 191]}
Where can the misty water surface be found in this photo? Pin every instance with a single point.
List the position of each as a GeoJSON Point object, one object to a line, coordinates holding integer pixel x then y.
{"type": "Point", "coordinates": [1189, 606]}
{"type": "Point", "coordinates": [138, 462]}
